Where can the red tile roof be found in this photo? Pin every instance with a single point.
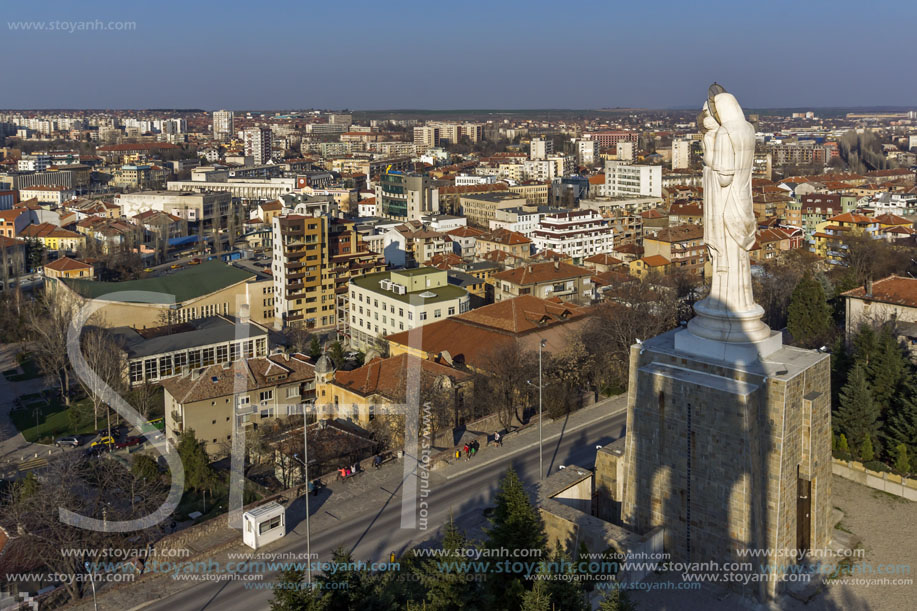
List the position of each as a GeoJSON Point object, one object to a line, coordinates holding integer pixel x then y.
{"type": "Point", "coordinates": [894, 289]}
{"type": "Point", "coordinates": [542, 272]}
{"type": "Point", "coordinates": [66, 264]}
{"type": "Point", "coordinates": [388, 377]}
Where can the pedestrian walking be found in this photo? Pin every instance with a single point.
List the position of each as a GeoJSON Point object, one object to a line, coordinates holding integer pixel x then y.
{"type": "Point", "coordinates": [377, 461]}
{"type": "Point", "coordinates": [498, 439]}
{"type": "Point", "coordinates": [467, 452]}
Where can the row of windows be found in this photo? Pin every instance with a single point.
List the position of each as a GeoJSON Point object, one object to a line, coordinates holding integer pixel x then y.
{"type": "Point", "coordinates": [172, 364]}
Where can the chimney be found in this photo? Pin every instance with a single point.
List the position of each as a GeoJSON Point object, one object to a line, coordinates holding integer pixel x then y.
{"type": "Point", "coordinates": [868, 287]}
{"type": "Point", "coordinates": [556, 264]}
{"type": "Point", "coordinates": [195, 374]}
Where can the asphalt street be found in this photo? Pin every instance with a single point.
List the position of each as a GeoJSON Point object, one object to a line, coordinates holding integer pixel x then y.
{"type": "Point", "coordinates": [376, 534]}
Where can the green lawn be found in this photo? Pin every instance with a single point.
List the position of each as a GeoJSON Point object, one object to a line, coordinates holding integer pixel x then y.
{"type": "Point", "coordinates": [53, 419]}
{"type": "Point", "coordinates": [217, 504]}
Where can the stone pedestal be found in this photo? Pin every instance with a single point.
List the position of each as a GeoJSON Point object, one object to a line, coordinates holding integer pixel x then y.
{"type": "Point", "coordinates": [728, 444]}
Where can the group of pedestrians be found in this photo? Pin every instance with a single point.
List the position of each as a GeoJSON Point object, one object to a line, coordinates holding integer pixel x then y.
{"type": "Point", "coordinates": [345, 472]}
{"type": "Point", "coordinates": [472, 447]}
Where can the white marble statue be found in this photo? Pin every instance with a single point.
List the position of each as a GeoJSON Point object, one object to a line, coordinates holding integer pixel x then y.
{"type": "Point", "coordinates": [729, 313]}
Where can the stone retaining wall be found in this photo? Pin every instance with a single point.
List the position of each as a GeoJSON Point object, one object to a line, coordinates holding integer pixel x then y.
{"type": "Point", "coordinates": [886, 482]}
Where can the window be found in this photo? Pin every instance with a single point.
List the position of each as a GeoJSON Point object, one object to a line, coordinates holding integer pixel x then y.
{"type": "Point", "coordinates": [437, 313]}
{"type": "Point", "coordinates": [423, 316]}
{"type": "Point", "coordinates": [194, 359]}
{"type": "Point", "coordinates": [400, 311]}
{"type": "Point", "coordinates": [165, 366]}
{"type": "Point", "coordinates": [207, 357]}
{"type": "Point", "coordinates": [292, 391]}
{"type": "Point", "coordinates": [222, 351]}
{"type": "Point", "coordinates": [451, 310]}
{"type": "Point", "coordinates": [410, 315]}
{"type": "Point", "coordinates": [136, 371]}
{"type": "Point", "coordinates": [266, 395]}
{"type": "Point", "coordinates": [234, 352]}
{"type": "Point", "coordinates": [249, 349]}
{"type": "Point", "coordinates": [269, 525]}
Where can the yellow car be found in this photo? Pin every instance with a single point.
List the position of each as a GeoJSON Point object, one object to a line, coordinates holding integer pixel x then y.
{"type": "Point", "coordinates": [175, 266]}
{"type": "Point", "coordinates": [148, 269]}
{"type": "Point", "coordinates": [107, 441]}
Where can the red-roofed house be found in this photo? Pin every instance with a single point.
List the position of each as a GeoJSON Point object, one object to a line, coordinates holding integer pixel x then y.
{"type": "Point", "coordinates": [829, 235]}
{"type": "Point", "coordinates": [545, 280]}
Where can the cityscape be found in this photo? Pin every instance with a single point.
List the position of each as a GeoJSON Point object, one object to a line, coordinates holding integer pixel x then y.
{"type": "Point", "coordinates": [495, 321]}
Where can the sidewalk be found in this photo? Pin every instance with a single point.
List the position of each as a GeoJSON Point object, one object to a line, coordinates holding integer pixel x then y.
{"type": "Point", "coordinates": [13, 446]}
{"type": "Point", "coordinates": [346, 500]}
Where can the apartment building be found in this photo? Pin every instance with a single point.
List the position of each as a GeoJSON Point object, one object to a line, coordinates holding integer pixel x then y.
{"type": "Point", "coordinates": [481, 208]}
{"type": "Point", "coordinates": [681, 154]}
{"type": "Point", "coordinates": [611, 138]}
{"type": "Point", "coordinates": [303, 280]}
{"type": "Point", "coordinates": [223, 124]}
{"type": "Point", "coordinates": [259, 144]}
{"type": "Point", "coordinates": [211, 400]}
{"type": "Point", "coordinates": [411, 244]}
{"type": "Point", "coordinates": [406, 197]}
{"type": "Point", "coordinates": [682, 245]}
{"type": "Point", "coordinates": [203, 211]}
{"type": "Point", "coordinates": [390, 302]}
{"type": "Point", "coordinates": [504, 240]}
{"type": "Point", "coordinates": [45, 194]}
{"type": "Point", "coordinates": [576, 233]}
{"type": "Point", "coordinates": [464, 240]}
{"type": "Point", "coordinates": [545, 280]}
{"type": "Point", "coordinates": [625, 180]}
{"type": "Point", "coordinates": [54, 237]}
{"type": "Point", "coordinates": [541, 148]}
{"type": "Point", "coordinates": [535, 193]}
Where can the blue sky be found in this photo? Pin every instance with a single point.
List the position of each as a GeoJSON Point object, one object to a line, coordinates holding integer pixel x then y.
{"type": "Point", "coordinates": [470, 54]}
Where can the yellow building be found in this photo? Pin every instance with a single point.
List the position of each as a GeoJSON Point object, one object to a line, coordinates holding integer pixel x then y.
{"type": "Point", "coordinates": [362, 394]}
{"type": "Point", "coordinates": [653, 264]}
{"type": "Point", "coordinates": [53, 237]}
{"type": "Point", "coordinates": [830, 234]}
{"type": "Point", "coordinates": [65, 267]}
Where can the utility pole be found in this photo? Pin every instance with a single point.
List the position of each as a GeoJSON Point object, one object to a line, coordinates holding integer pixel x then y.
{"type": "Point", "coordinates": [540, 413]}
{"type": "Point", "coordinates": [305, 466]}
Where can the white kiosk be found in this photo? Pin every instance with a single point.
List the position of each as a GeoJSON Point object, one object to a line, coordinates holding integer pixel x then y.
{"type": "Point", "coordinates": [263, 525]}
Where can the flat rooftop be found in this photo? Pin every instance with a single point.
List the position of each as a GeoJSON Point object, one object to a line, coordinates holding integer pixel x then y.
{"type": "Point", "coordinates": [188, 283]}
{"type": "Point", "coordinates": [448, 292]}
{"type": "Point", "coordinates": [194, 334]}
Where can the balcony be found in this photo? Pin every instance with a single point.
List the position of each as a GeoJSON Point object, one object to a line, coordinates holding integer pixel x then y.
{"type": "Point", "coordinates": [294, 264]}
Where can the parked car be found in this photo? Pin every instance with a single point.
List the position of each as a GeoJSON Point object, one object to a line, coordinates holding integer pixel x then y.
{"type": "Point", "coordinates": [175, 266]}
{"type": "Point", "coordinates": [70, 440]}
{"type": "Point", "coordinates": [105, 441]}
{"type": "Point", "coordinates": [195, 261]}
{"type": "Point", "coordinates": [133, 440]}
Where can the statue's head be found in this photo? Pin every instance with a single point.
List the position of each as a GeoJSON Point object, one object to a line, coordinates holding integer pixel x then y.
{"type": "Point", "coordinates": [728, 108]}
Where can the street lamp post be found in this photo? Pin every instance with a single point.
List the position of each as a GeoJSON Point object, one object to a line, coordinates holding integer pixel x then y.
{"type": "Point", "coordinates": [540, 413]}
{"type": "Point", "coordinates": [305, 466]}
{"type": "Point", "coordinates": [92, 581]}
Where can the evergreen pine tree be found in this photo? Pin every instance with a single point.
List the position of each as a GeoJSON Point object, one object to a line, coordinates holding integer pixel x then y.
{"type": "Point", "coordinates": [902, 461]}
{"type": "Point", "coordinates": [198, 473]}
{"type": "Point", "coordinates": [449, 590]}
{"type": "Point", "coordinates": [515, 525]}
{"type": "Point", "coordinates": [866, 452]}
{"type": "Point", "coordinates": [901, 421]}
{"type": "Point", "coordinates": [886, 369]}
{"type": "Point", "coordinates": [865, 344]}
{"type": "Point", "coordinates": [616, 600]}
{"type": "Point", "coordinates": [842, 443]}
{"type": "Point", "coordinates": [857, 415]}
{"type": "Point", "coordinates": [315, 348]}
{"type": "Point", "coordinates": [293, 594]}
{"type": "Point", "coordinates": [538, 598]}
{"type": "Point", "coordinates": [566, 594]}
{"type": "Point", "coordinates": [809, 318]}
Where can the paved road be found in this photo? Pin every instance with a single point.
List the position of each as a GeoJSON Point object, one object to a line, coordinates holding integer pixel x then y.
{"type": "Point", "coordinates": [375, 535]}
